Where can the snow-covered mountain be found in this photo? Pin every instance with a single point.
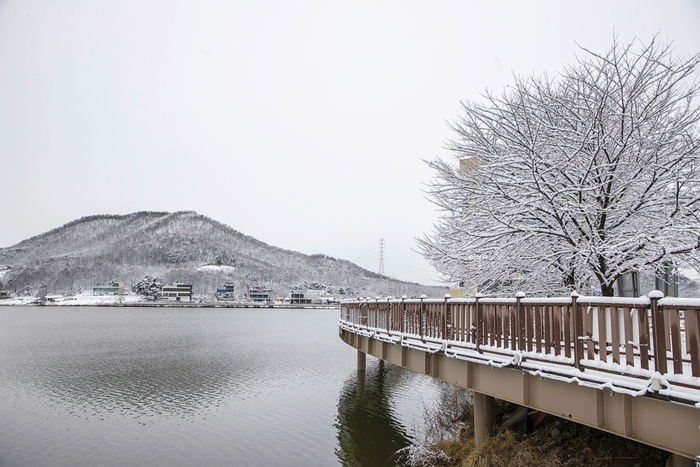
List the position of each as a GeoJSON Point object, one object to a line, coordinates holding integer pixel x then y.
{"type": "Point", "coordinates": [180, 246]}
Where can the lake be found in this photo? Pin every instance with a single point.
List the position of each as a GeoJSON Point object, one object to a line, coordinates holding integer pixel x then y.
{"type": "Point", "coordinates": [116, 386]}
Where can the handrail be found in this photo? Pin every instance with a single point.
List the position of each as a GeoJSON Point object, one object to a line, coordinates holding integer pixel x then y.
{"type": "Point", "coordinates": [636, 337]}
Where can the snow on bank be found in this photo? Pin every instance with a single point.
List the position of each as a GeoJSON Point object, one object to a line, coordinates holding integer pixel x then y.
{"type": "Point", "coordinates": [77, 300]}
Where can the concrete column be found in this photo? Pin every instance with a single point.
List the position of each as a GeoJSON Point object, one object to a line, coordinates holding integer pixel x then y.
{"type": "Point", "coordinates": [680, 461]}
{"type": "Point", "coordinates": [361, 384]}
{"type": "Point", "coordinates": [361, 361]}
{"type": "Point", "coordinates": [484, 417]}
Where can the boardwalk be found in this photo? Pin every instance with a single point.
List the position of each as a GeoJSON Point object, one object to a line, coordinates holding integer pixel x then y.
{"type": "Point", "coordinates": [630, 366]}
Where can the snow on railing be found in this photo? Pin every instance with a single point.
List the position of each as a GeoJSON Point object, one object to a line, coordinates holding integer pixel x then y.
{"type": "Point", "coordinates": [635, 337]}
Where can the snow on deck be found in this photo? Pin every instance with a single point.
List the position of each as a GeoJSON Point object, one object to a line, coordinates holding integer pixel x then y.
{"type": "Point", "coordinates": [623, 379]}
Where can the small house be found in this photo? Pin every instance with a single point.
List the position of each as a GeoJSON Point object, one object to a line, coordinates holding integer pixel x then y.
{"type": "Point", "coordinates": [298, 298]}
{"type": "Point", "coordinates": [225, 294]}
{"type": "Point", "coordinates": [114, 288]}
{"type": "Point", "coordinates": [258, 294]}
{"type": "Point", "coordinates": [177, 292]}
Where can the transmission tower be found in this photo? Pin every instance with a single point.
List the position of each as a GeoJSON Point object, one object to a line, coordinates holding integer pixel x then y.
{"type": "Point", "coordinates": [381, 256]}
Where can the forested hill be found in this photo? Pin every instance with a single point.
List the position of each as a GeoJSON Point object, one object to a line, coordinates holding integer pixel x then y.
{"type": "Point", "coordinates": [180, 246]}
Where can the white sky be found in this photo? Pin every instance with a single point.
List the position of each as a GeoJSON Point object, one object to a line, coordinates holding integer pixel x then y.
{"type": "Point", "coordinates": [300, 123]}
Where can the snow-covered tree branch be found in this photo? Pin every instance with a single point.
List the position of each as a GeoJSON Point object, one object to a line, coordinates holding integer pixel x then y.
{"type": "Point", "coordinates": [573, 180]}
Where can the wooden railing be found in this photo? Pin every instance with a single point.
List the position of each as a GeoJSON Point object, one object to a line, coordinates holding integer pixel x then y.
{"type": "Point", "coordinates": [630, 336]}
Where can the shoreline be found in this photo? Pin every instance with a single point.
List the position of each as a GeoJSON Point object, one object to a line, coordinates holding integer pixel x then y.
{"type": "Point", "coordinates": [67, 303]}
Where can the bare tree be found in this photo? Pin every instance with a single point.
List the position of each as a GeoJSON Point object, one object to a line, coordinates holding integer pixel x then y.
{"type": "Point", "coordinates": [575, 180]}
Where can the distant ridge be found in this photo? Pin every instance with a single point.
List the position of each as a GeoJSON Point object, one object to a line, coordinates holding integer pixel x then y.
{"type": "Point", "coordinates": [175, 246]}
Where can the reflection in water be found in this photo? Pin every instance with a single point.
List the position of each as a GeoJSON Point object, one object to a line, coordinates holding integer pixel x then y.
{"type": "Point", "coordinates": [136, 368]}
{"type": "Point", "coordinates": [180, 382]}
{"type": "Point", "coordinates": [368, 431]}
{"type": "Point", "coordinates": [183, 387]}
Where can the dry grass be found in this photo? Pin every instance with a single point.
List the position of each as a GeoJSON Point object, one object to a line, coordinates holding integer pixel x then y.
{"type": "Point", "coordinates": [556, 442]}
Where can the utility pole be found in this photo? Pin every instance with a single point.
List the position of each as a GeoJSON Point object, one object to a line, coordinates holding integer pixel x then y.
{"type": "Point", "coordinates": [381, 256]}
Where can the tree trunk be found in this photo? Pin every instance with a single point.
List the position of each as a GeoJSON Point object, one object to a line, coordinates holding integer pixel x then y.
{"type": "Point", "coordinates": [607, 290]}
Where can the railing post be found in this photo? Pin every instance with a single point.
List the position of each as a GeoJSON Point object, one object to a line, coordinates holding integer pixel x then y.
{"type": "Point", "coordinates": [692, 336]}
{"type": "Point", "coordinates": [479, 322]}
{"type": "Point", "coordinates": [658, 331]}
{"type": "Point", "coordinates": [376, 312]}
{"type": "Point", "coordinates": [445, 316]}
{"type": "Point", "coordinates": [389, 317]}
{"type": "Point", "coordinates": [365, 313]}
{"type": "Point", "coordinates": [420, 315]}
{"type": "Point", "coordinates": [403, 314]}
{"type": "Point", "coordinates": [578, 329]}
{"type": "Point", "coordinates": [520, 320]}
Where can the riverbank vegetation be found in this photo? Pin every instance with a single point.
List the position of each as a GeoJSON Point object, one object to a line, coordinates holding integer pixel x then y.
{"type": "Point", "coordinates": [540, 441]}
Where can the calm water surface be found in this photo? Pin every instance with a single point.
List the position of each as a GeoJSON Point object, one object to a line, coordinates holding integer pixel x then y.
{"type": "Point", "coordinates": [188, 387]}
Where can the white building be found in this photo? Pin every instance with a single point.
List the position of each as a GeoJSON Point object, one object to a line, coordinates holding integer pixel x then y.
{"type": "Point", "coordinates": [177, 292]}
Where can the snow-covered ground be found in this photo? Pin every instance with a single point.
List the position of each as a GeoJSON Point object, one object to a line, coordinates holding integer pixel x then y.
{"type": "Point", "coordinates": [87, 299]}
{"type": "Point", "coordinates": [214, 268]}
{"type": "Point", "coordinates": [80, 299]}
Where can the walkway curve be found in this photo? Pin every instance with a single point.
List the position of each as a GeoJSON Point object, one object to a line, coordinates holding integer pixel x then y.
{"type": "Point", "coordinates": [546, 354]}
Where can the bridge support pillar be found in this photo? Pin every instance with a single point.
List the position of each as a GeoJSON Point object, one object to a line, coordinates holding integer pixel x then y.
{"type": "Point", "coordinates": [680, 461]}
{"type": "Point", "coordinates": [484, 417]}
{"type": "Point", "coordinates": [361, 361]}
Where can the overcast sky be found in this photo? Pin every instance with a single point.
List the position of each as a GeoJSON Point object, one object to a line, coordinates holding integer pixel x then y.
{"type": "Point", "coordinates": [301, 123]}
